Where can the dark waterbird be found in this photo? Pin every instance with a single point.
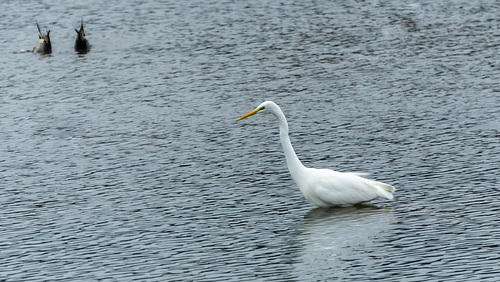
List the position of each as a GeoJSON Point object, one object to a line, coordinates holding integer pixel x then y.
{"type": "Point", "coordinates": [43, 46]}
{"type": "Point", "coordinates": [82, 44]}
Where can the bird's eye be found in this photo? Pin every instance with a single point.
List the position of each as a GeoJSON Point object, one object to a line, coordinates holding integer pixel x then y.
{"type": "Point", "coordinates": [262, 108]}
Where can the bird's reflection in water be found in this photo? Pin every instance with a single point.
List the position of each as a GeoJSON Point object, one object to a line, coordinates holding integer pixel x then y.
{"type": "Point", "coordinates": [335, 216]}
{"type": "Point", "coordinates": [335, 238]}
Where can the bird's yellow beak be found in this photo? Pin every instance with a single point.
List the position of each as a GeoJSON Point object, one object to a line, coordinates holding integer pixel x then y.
{"type": "Point", "coordinates": [249, 114]}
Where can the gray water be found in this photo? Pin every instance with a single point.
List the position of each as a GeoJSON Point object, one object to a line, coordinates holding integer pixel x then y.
{"type": "Point", "coordinates": [127, 164]}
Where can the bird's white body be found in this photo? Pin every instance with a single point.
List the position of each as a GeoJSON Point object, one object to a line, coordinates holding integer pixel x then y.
{"type": "Point", "coordinates": [324, 187]}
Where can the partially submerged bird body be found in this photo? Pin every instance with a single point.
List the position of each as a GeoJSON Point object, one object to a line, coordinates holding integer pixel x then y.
{"type": "Point", "coordinates": [82, 44]}
{"type": "Point", "coordinates": [324, 187]}
{"type": "Point", "coordinates": [43, 46]}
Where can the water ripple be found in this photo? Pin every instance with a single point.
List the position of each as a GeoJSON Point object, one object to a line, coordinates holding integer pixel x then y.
{"type": "Point", "coordinates": [126, 163]}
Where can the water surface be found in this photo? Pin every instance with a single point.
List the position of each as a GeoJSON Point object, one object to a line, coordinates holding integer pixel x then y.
{"type": "Point", "coordinates": [126, 163]}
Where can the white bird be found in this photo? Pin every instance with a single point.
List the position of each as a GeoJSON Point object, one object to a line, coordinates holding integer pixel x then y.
{"type": "Point", "coordinates": [323, 187]}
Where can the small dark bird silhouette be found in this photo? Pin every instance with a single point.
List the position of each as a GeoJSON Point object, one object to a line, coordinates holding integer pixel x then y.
{"type": "Point", "coordinates": [43, 46]}
{"type": "Point", "coordinates": [82, 44]}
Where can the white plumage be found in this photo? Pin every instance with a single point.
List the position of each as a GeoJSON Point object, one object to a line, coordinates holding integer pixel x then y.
{"type": "Point", "coordinates": [324, 187]}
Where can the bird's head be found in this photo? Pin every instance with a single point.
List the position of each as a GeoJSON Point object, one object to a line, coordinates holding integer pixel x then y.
{"type": "Point", "coordinates": [266, 105]}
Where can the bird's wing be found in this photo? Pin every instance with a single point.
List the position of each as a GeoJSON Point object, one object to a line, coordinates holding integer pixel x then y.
{"type": "Point", "coordinates": [342, 188]}
{"type": "Point", "coordinates": [360, 174]}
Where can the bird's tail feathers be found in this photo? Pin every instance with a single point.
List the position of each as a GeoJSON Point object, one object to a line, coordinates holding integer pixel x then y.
{"type": "Point", "coordinates": [383, 190]}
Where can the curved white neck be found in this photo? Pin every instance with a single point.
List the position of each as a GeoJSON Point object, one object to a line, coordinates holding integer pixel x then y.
{"type": "Point", "coordinates": [293, 162]}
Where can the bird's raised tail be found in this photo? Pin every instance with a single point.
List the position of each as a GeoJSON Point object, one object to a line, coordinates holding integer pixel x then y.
{"type": "Point", "coordinates": [81, 42]}
{"type": "Point", "coordinates": [39, 31]}
{"type": "Point", "coordinates": [43, 46]}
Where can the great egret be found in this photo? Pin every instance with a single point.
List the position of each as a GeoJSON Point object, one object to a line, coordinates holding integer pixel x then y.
{"type": "Point", "coordinates": [323, 187]}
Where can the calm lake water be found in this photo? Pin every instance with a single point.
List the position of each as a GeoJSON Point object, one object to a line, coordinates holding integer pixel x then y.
{"type": "Point", "coordinates": [126, 163]}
